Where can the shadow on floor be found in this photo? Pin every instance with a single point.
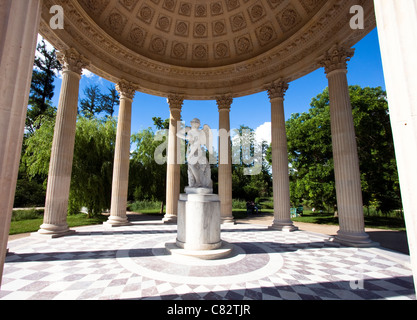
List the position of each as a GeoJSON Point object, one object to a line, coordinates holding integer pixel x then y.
{"type": "Point", "coordinates": [393, 240]}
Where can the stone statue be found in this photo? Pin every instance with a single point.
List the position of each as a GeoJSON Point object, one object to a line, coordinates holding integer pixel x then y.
{"type": "Point", "coordinates": [199, 172]}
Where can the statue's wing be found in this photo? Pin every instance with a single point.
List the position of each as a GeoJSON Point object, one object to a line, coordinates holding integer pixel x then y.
{"type": "Point", "coordinates": [209, 141]}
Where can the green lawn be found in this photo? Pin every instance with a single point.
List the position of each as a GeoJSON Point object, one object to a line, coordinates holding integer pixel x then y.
{"type": "Point", "coordinates": [32, 225]}
{"type": "Point", "coordinates": [379, 222]}
{"type": "Point", "coordinates": [30, 220]}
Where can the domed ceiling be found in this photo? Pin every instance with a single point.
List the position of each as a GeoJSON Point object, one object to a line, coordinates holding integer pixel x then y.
{"type": "Point", "coordinates": [199, 48]}
{"type": "Point", "coordinates": [200, 33]}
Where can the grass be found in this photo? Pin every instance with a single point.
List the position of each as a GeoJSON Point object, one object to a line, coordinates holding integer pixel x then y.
{"type": "Point", "coordinates": [30, 222]}
{"type": "Point", "coordinates": [373, 221]}
{"type": "Point", "coordinates": [24, 221]}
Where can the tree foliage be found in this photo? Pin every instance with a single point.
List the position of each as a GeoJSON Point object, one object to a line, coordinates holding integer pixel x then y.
{"type": "Point", "coordinates": [147, 177]}
{"type": "Point", "coordinates": [92, 168]}
{"type": "Point", "coordinates": [42, 86]}
{"type": "Point", "coordinates": [311, 159]}
{"type": "Point", "coordinates": [30, 189]}
{"type": "Point", "coordinates": [96, 102]}
{"type": "Point", "coordinates": [92, 163]}
{"type": "Point", "coordinates": [251, 176]}
{"type": "Point", "coordinates": [310, 155]}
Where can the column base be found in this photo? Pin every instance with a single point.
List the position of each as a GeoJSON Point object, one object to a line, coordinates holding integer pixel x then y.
{"type": "Point", "coordinates": [169, 219]}
{"type": "Point", "coordinates": [352, 239]}
{"type": "Point", "coordinates": [283, 225]}
{"type": "Point", "coordinates": [227, 220]}
{"type": "Point", "coordinates": [53, 231]}
{"type": "Point", "coordinates": [115, 221]}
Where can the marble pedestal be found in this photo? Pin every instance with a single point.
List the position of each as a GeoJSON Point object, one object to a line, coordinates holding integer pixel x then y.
{"type": "Point", "coordinates": [198, 226]}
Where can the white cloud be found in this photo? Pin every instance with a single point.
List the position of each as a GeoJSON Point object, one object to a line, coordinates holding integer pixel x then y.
{"type": "Point", "coordinates": [263, 132]}
{"type": "Point", "coordinates": [88, 74]}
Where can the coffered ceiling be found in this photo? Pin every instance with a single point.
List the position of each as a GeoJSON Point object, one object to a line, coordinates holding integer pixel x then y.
{"type": "Point", "coordinates": [204, 48]}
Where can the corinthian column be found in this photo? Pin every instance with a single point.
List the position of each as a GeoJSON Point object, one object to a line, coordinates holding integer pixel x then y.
{"type": "Point", "coordinates": [397, 31]}
{"type": "Point", "coordinates": [225, 159]}
{"type": "Point", "coordinates": [60, 166]}
{"type": "Point", "coordinates": [173, 165]}
{"type": "Point", "coordinates": [120, 180]}
{"type": "Point", "coordinates": [280, 178]}
{"type": "Point", "coordinates": [345, 152]}
{"type": "Point", "coordinates": [18, 32]}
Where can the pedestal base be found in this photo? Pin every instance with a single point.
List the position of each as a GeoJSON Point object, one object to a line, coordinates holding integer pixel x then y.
{"type": "Point", "coordinates": [198, 231]}
{"type": "Point", "coordinates": [169, 219]}
{"type": "Point", "coordinates": [223, 251]}
{"type": "Point", "coordinates": [359, 240]}
{"type": "Point", "coordinates": [228, 220]}
{"type": "Point", "coordinates": [198, 220]}
{"type": "Point", "coordinates": [283, 225]}
{"type": "Point", "coordinates": [114, 221]}
{"type": "Point", "coordinates": [53, 231]}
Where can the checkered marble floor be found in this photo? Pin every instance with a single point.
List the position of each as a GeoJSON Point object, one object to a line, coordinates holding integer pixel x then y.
{"type": "Point", "coordinates": [132, 263]}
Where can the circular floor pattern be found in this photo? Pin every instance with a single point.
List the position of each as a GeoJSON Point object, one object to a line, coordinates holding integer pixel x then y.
{"type": "Point", "coordinates": [248, 262]}
{"type": "Point", "coordinates": [131, 263]}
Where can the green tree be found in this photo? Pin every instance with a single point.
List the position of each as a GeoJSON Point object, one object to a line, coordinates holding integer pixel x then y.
{"type": "Point", "coordinates": [147, 178]}
{"type": "Point", "coordinates": [30, 190]}
{"type": "Point", "coordinates": [96, 102]}
{"type": "Point", "coordinates": [310, 155]}
{"type": "Point", "coordinates": [42, 86]}
{"type": "Point", "coordinates": [250, 171]}
{"type": "Point", "coordinates": [92, 169]}
{"type": "Point", "coordinates": [38, 149]}
{"type": "Point", "coordinates": [91, 104]}
{"type": "Point", "coordinates": [92, 163]}
{"type": "Point", "coordinates": [311, 159]}
{"type": "Point", "coordinates": [109, 101]}
{"type": "Point", "coordinates": [380, 184]}
{"type": "Point", "coordinates": [161, 124]}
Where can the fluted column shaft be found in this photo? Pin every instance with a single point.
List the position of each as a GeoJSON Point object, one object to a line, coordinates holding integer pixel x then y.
{"type": "Point", "coordinates": [397, 31]}
{"type": "Point", "coordinates": [60, 166]}
{"type": "Point", "coordinates": [18, 33]}
{"type": "Point", "coordinates": [173, 164]}
{"type": "Point", "coordinates": [120, 180]}
{"type": "Point", "coordinates": [281, 183]}
{"type": "Point", "coordinates": [225, 160]}
{"type": "Point", "coordinates": [345, 152]}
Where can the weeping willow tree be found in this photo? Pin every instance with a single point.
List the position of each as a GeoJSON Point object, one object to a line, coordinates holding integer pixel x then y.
{"type": "Point", "coordinates": [92, 163]}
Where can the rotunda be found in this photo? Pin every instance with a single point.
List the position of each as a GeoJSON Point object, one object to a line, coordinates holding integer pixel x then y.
{"type": "Point", "coordinates": [201, 50]}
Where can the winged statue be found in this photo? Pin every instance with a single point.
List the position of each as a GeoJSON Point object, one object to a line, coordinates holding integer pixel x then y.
{"type": "Point", "coordinates": [199, 141]}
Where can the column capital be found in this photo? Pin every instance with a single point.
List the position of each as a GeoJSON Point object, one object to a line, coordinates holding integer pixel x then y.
{"type": "Point", "coordinates": [224, 102]}
{"type": "Point", "coordinates": [126, 89]}
{"type": "Point", "coordinates": [175, 102]}
{"type": "Point", "coordinates": [73, 61]}
{"type": "Point", "coordinates": [336, 58]}
{"type": "Point", "coordinates": [277, 89]}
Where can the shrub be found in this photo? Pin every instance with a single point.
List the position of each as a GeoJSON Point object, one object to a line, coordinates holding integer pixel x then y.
{"type": "Point", "coordinates": [19, 215]}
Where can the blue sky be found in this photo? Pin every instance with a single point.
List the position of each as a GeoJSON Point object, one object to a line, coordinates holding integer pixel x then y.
{"type": "Point", "coordinates": [364, 69]}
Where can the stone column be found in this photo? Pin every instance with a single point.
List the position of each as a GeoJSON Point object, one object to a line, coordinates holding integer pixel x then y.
{"type": "Point", "coordinates": [120, 180]}
{"type": "Point", "coordinates": [225, 160]}
{"type": "Point", "coordinates": [345, 152]}
{"type": "Point", "coordinates": [60, 166]}
{"type": "Point", "coordinates": [281, 183]}
{"type": "Point", "coordinates": [397, 30]}
{"type": "Point", "coordinates": [18, 33]}
{"type": "Point", "coordinates": [173, 160]}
